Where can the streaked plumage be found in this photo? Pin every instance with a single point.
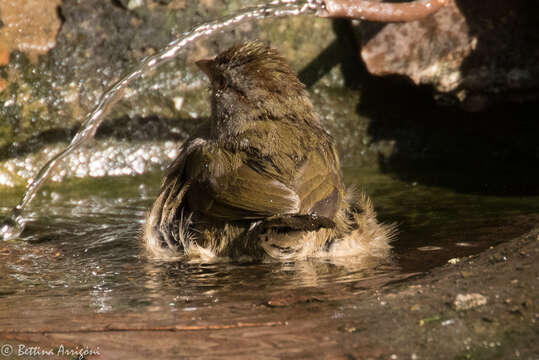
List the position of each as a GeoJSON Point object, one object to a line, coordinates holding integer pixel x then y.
{"type": "Point", "coordinates": [261, 177]}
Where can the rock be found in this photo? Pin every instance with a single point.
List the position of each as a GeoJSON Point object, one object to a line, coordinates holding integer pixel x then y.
{"type": "Point", "coordinates": [473, 53]}
{"type": "Point", "coordinates": [46, 94]}
{"type": "Point", "coordinates": [469, 301]}
{"type": "Point", "coordinates": [28, 25]}
{"type": "Point", "coordinates": [44, 99]}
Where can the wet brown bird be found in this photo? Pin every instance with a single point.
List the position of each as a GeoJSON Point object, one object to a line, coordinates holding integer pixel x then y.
{"type": "Point", "coordinates": [261, 177]}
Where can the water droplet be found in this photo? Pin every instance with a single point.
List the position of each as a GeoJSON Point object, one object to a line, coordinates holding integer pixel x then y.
{"type": "Point", "coordinates": [11, 227]}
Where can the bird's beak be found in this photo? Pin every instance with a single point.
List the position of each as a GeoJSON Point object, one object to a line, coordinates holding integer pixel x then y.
{"type": "Point", "coordinates": [207, 66]}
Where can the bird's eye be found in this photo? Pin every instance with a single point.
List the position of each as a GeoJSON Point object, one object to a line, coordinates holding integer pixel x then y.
{"type": "Point", "coordinates": [219, 82]}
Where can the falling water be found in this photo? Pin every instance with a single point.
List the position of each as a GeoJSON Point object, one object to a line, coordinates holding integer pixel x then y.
{"type": "Point", "coordinates": [13, 224]}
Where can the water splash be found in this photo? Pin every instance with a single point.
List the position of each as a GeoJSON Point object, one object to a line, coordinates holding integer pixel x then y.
{"type": "Point", "coordinates": [13, 225]}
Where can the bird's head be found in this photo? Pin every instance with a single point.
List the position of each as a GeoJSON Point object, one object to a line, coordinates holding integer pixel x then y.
{"type": "Point", "coordinates": [251, 81]}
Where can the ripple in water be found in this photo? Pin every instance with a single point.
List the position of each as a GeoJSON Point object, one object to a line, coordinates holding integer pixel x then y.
{"type": "Point", "coordinates": [82, 253]}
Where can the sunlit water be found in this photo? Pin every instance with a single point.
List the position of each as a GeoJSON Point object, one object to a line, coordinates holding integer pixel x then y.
{"type": "Point", "coordinates": [81, 254]}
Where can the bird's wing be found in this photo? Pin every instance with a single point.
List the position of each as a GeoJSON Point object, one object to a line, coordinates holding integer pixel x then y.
{"type": "Point", "coordinates": [236, 187]}
{"type": "Point", "coordinates": [318, 183]}
{"type": "Point", "coordinates": [242, 193]}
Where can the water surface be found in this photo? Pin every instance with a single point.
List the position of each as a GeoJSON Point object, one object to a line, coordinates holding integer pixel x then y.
{"type": "Point", "coordinates": [80, 253]}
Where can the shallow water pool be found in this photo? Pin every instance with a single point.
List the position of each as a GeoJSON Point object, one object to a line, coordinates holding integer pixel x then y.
{"type": "Point", "coordinates": [80, 254]}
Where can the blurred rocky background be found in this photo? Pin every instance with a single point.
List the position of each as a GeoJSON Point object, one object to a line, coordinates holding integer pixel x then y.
{"type": "Point", "coordinates": [451, 100]}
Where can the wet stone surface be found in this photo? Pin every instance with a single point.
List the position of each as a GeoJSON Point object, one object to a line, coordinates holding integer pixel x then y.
{"type": "Point", "coordinates": [43, 100]}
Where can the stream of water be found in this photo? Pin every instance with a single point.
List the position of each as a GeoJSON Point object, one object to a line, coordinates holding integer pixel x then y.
{"type": "Point", "coordinates": [14, 223]}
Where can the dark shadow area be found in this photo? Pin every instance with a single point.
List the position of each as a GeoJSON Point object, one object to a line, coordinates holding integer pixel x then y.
{"type": "Point", "coordinates": [492, 152]}
{"type": "Point", "coordinates": [495, 151]}
{"type": "Point", "coordinates": [344, 51]}
{"type": "Point", "coordinates": [507, 35]}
